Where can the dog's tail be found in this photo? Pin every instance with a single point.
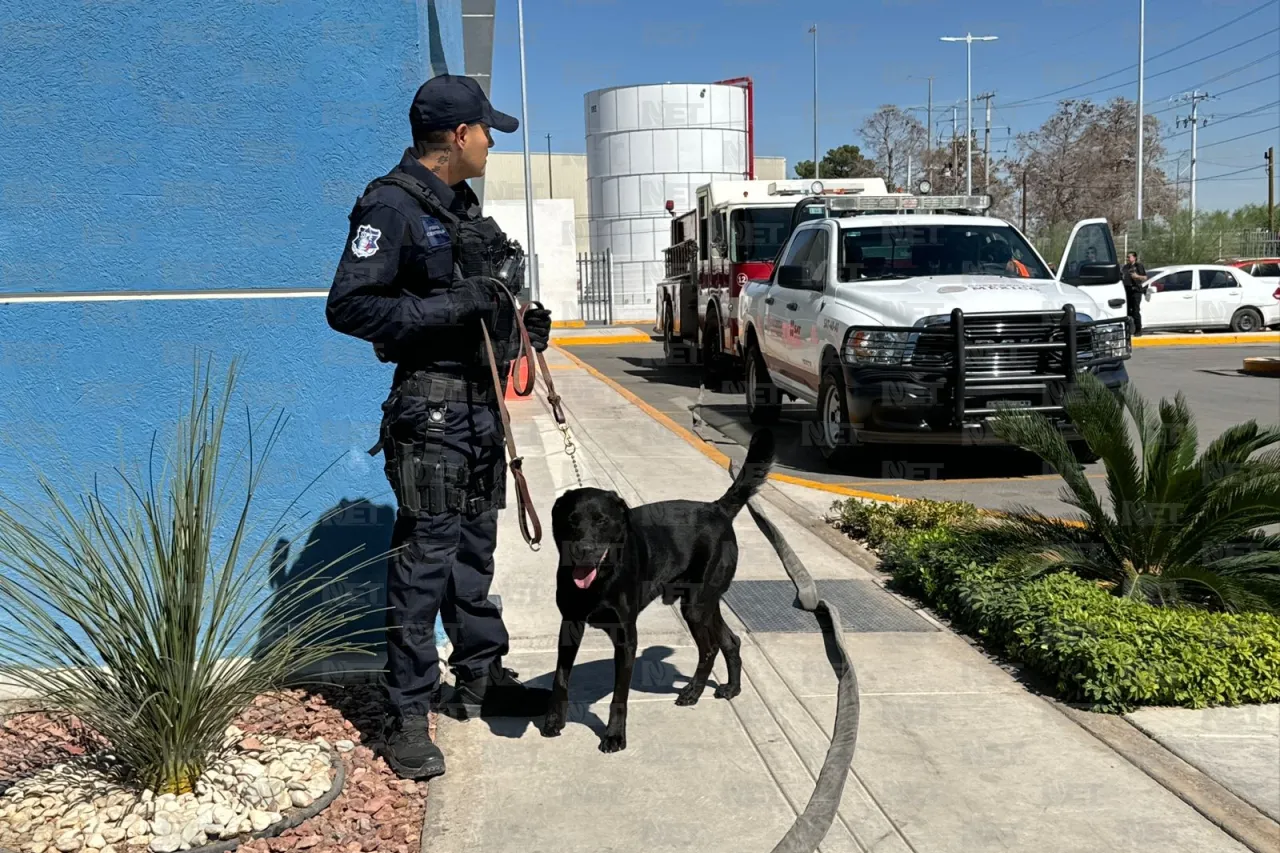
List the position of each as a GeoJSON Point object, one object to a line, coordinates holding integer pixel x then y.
{"type": "Point", "coordinates": [753, 474]}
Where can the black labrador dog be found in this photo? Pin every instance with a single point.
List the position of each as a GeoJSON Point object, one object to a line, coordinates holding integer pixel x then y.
{"type": "Point", "coordinates": [615, 560]}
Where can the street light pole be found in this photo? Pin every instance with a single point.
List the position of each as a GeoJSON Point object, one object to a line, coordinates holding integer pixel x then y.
{"type": "Point", "coordinates": [528, 166]}
{"type": "Point", "coordinates": [968, 39]}
{"type": "Point", "coordinates": [817, 166]}
{"type": "Point", "coordinates": [1142, 37]}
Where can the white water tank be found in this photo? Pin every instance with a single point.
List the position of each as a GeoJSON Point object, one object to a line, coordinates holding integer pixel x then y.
{"type": "Point", "coordinates": [645, 145]}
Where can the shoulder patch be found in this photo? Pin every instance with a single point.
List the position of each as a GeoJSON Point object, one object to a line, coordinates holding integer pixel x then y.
{"type": "Point", "coordinates": [434, 232]}
{"type": "Point", "coordinates": [365, 245]}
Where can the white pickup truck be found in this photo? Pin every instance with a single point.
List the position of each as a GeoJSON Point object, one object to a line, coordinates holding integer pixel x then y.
{"type": "Point", "coordinates": [914, 318]}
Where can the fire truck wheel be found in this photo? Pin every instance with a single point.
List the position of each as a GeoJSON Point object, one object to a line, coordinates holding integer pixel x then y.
{"type": "Point", "coordinates": [764, 401]}
{"type": "Point", "coordinates": [675, 352]}
{"type": "Point", "coordinates": [712, 361]}
{"type": "Point", "coordinates": [835, 435]}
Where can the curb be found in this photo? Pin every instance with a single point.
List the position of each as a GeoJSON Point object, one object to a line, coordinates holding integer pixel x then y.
{"type": "Point", "coordinates": [1208, 339]}
{"type": "Point", "coordinates": [601, 340]}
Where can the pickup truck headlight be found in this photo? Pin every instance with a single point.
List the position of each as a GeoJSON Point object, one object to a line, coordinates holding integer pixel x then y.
{"type": "Point", "coordinates": [875, 347]}
{"type": "Point", "coordinates": [1111, 340]}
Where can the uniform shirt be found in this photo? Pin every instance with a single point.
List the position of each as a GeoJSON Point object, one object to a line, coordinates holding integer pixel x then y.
{"type": "Point", "coordinates": [392, 284]}
{"type": "Point", "coordinates": [1132, 269]}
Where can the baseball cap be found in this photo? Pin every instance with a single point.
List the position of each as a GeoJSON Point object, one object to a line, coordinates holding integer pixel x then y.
{"type": "Point", "coordinates": [448, 100]}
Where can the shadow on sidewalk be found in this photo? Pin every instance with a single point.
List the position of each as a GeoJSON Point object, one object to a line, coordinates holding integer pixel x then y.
{"type": "Point", "coordinates": [592, 682]}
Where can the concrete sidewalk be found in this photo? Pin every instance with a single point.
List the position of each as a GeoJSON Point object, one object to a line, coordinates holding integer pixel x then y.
{"type": "Point", "coordinates": [952, 755]}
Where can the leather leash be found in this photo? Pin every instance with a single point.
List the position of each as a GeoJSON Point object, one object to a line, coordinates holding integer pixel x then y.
{"type": "Point", "coordinates": [527, 515]}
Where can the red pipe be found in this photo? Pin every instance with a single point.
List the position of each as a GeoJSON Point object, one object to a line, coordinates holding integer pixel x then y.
{"type": "Point", "coordinates": [751, 122]}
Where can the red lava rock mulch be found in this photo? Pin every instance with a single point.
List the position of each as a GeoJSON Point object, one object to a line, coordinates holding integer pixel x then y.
{"type": "Point", "coordinates": [375, 812]}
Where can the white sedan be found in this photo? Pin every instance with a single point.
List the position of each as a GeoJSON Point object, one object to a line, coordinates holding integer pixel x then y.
{"type": "Point", "coordinates": [1207, 296]}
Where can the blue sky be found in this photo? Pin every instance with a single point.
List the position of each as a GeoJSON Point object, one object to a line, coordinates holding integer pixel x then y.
{"type": "Point", "coordinates": [878, 51]}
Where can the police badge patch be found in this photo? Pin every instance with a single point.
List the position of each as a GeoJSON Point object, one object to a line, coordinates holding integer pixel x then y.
{"type": "Point", "coordinates": [365, 245]}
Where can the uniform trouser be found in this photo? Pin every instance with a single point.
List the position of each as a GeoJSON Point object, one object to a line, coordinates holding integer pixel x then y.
{"type": "Point", "coordinates": [442, 553]}
{"type": "Point", "coordinates": [1134, 298]}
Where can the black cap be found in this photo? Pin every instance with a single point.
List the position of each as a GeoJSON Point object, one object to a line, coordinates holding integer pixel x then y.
{"type": "Point", "coordinates": [448, 100]}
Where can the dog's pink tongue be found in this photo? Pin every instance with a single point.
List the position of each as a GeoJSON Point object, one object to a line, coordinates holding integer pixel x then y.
{"type": "Point", "coordinates": [584, 577]}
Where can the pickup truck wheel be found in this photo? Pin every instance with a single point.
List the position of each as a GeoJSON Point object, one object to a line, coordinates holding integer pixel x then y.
{"type": "Point", "coordinates": [675, 352]}
{"type": "Point", "coordinates": [764, 401]}
{"type": "Point", "coordinates": [835, 433]}
{"type": "Point", "coordinates": [1083, 454]}
{"type": "Point", "coordinates": [1246, 320]}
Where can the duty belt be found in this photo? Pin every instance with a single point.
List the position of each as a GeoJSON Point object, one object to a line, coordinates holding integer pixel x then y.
{"type": "Point", "coordinates": [439, 387]}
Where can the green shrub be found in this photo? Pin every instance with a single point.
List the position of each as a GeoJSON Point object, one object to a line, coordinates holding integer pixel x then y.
{"type": "Point", "coordinates": [878, 524]}
{"type": "Point", "coordinates": [167, 614]}
{"type": "Point", "coordinates": [1110, 652]}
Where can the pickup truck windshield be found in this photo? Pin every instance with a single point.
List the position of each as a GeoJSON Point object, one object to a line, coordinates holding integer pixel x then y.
{"type": "Point", "coordinates": [936, 250]}
{"type": "Point", "coordinates": [757, 234]}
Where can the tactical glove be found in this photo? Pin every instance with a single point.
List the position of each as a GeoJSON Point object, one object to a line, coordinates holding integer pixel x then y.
{"type": "Point", "coordinates": [537, 322]}
{"type": "Point", "coordinates": [475, 298]}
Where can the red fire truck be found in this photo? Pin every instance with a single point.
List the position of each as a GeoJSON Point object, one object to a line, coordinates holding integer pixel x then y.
{"type": "Point", "coordinates": [730, 237]}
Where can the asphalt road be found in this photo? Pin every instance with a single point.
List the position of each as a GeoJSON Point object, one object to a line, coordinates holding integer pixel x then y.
{"type": "Point", "coordinates": [997, 478]}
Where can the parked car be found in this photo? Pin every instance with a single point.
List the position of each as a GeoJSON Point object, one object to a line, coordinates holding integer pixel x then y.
{"type": "Point", "coordinates": [1259, 267]}
{"type": "Point", "coordinates": [1209, 296]}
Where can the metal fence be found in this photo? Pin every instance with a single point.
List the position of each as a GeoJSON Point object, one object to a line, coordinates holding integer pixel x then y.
{"type": "Point", "coordinates": [595, 287]}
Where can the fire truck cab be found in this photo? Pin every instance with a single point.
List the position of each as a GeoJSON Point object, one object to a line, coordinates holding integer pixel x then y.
{"type": "Point", "coordinates": [730, 238]}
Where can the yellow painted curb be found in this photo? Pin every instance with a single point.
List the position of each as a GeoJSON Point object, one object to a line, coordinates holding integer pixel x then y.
{"type": "Point", "coordinates": [1262, 366]}
{"type": "Point", "coordinates": [568, 324]}
{"type": "Point", "coordinates": [1206, 340]}
{"type": "Point", "coordinates": [601, 340]}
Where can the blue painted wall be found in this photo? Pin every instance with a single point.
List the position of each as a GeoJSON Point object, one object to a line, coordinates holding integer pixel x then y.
{"type": "Point", "coordinates": [199, 145]}
{"type": "Point", "coordinates": [205, 144]}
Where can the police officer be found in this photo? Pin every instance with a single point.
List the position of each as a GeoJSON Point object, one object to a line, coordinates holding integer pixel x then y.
{"type": "Point", "coordinates": [416, 280]}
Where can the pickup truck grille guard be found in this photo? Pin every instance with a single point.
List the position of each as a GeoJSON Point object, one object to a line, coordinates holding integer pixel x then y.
{"type": "Point", "coordinates": [990, 355]}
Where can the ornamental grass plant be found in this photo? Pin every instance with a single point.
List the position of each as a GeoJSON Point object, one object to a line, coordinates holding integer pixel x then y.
{"type": "Point", "coordinates": [139, 613]}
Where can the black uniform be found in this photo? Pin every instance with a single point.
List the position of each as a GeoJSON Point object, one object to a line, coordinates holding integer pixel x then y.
{"type": "Point", "coordinates": [1133, 291]}
{"type": "Point", "coordinates": [413, 245]}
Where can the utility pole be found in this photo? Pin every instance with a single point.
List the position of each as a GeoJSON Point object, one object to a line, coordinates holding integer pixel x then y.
{"type": "Point", "coordinates": [955, 151]}
{"type": "Point", "coordinates": [929, 136]}
{"type": "Point", "coordinates": [969, 39]}
{"type": "Point", "coordinates": [1024, 199]}
{"type": "Point", "coordinates": [817, 164]}
{"type": "Point", "coordinates": [551, 192]}
{"type": "Point", "coordinates": [532, 252]}
{"type": "Point", "coordinates": [986, 143]}
{"type": "Point", "coordinates": [1270, 157]}
{"type": "Point", "coordinates": [1194, 121]}
{"type": "Point", "coordinates": [1142, 43]}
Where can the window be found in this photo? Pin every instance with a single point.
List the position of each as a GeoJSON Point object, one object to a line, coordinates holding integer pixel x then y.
{"type": "Point", "coordinates": [757, 234]}
{"type": "Point", "coordinates": [815, 262]}
{"type": "Point", "coordinates": [1266, 270]}
{"type": "Point", "coordinates": [798, 252]}
{"type": "Point", "coordinates": [1092, 245]}
{"type": "Point", "coordinates": [936, 250]}
{"type": "Point", "coordinates": [1174, 282]}
{"type": "Point", "coordinates": [1213, 279]}
{"type": "Point", "coordinates": [702, 227]}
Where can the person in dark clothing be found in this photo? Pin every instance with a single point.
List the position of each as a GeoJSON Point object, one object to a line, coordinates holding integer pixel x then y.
{"type": "Point", "coordinates": [1135, 277]}
{"type": "Point", "coordinates": [416, 280]}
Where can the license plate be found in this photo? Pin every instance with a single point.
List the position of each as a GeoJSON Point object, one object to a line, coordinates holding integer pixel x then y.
{"type": "Point", "coordinates": [1009, 404]}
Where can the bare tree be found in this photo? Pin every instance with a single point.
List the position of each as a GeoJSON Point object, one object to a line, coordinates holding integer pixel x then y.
{"type": "Point", "coordinates": [892, 135]}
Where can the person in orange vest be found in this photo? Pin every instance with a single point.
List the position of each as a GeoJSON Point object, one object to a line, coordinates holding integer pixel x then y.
{"type": "Point", "coordinates": [1000, 253]}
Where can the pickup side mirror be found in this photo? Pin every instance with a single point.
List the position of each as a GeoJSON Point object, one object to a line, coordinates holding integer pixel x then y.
{"type": "Point", "coordinates": [1100, 273]}
{"type": "Point", "coordinates": [792, 276]}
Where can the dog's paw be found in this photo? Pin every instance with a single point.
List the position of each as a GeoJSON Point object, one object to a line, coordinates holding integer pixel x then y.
{"type": "Point", "coordinates": [690, 695]}
{"type": "Point", "coordinates": [613, 742]}
{"type": "Point", "coordinates": [727, 691]}
{"type": "Point", "coordinates": [552, 725]}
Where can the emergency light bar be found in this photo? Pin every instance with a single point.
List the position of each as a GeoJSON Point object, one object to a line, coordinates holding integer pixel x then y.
{"type": "Point", "coordinates": [911, 202]}
{"type": "Point", "coordinates": [809, 188]}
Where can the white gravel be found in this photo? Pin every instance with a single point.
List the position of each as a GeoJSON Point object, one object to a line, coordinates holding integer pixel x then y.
{"type": "Point", "coordinates": [75, 808]}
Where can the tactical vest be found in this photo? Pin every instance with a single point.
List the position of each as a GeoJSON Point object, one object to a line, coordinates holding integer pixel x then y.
{"type": "Point", "coordinates": [479, 249]}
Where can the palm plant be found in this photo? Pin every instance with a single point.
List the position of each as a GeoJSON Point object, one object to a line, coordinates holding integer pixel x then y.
{"type": "Point", "coordinates": [1182, 528]}
{"type": "Point", "coordinates": [136, 618]}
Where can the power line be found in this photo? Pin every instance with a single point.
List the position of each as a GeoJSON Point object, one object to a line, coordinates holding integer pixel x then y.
{"type": "Point", "coordinates": [1227, 74]}
{"type": "Point", "coordinates": [1243, 136]}
{"type": "Point", "coordinates": [1236, 172]}
{"type": "Point", "coordinates": [1132, 82]}
{"type": "Point", "coordinates": [1217, 121]}
{"type": "Point", "coordinates": [1173, 49]}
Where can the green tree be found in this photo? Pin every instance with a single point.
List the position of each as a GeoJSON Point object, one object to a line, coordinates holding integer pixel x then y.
{"type": "Point", "coordinates": [846, 161]}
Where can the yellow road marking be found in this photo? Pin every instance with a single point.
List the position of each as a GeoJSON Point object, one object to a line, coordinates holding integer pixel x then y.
{"type": "Point", "coordinates": [602, 340]}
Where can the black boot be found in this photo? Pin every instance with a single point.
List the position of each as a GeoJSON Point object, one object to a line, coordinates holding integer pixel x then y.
{"type": "Point", "coordinates": [408, 749]}
{"type": "Point", "coordinates": [497, 693]}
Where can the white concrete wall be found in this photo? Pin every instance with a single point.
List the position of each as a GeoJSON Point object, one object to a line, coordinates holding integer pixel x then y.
{"type": "Point", "coordinates": [556, 245]}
